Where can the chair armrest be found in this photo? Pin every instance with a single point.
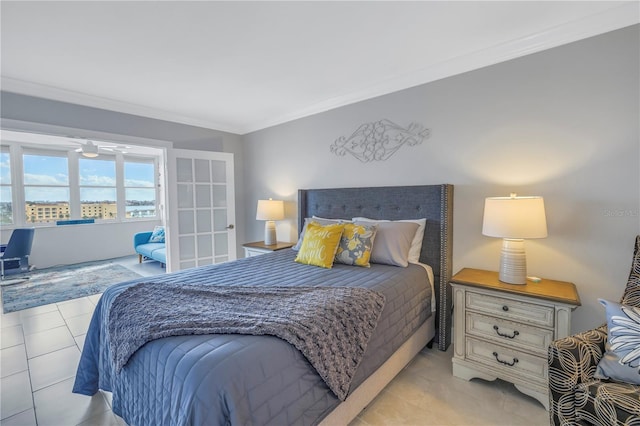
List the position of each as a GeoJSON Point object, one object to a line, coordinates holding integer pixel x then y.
{"type": "Point", "coordinates": [572, 360]}
{"type": "Point", "coordinates": [141, 238]}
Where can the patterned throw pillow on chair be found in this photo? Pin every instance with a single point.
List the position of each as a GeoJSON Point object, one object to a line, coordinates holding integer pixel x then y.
{"type": "Point", "coordinates": [621, 361]}
{"type": "Point", "coordinates": [158, 235]}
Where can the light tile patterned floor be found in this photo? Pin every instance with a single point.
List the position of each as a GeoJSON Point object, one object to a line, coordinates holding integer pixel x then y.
{"type": "Point", "coordinates": [40, 348]}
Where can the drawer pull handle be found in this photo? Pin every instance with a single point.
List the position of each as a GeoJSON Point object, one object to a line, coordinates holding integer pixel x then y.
{"type": "Point", "coordinates": [510, 364]}
{"type": "Point", "coordinates": [505, 308]}
{"type": "Point", "coordinates": [497, 329]}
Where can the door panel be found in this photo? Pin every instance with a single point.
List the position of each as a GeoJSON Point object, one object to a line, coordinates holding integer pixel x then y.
{"type": "Point", "coordinates": [201, 213]}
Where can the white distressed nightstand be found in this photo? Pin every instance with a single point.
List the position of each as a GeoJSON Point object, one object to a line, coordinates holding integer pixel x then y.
{"type": "Point", "coordinates": [503, 330]}
{"type": "Point", "coordinates": [259, 247]}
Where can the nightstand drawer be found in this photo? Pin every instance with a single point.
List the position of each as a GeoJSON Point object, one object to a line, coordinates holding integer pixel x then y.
{"type": "Point", "coordinates": [511, 309]}
{"type": "Point", "coordinates": [253, 252]}
{"type": "Point", "coordinates": [529, 338]}
{"type": "Point", "coordinates": [259, 248]}
{"type": "Point", "coordinates": [509, 360]}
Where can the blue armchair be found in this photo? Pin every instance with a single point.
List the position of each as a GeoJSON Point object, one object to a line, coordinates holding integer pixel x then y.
{"type": "Point", "coordinates": [14, 256]}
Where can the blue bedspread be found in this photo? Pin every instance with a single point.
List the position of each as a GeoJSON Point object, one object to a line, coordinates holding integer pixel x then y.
{"type": "Point", "coordinates": [242, 379]}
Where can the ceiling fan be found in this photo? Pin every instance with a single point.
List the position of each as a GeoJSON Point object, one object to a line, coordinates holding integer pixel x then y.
{"type": "Point", "coordinates": [90, 150]}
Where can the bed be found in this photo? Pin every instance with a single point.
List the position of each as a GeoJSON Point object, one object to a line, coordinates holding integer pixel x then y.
{"type": "Point", "coordinates": [261, 379]}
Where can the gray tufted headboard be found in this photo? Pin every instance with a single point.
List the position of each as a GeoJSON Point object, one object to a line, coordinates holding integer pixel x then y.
{"type": "Point", "coordinates": [434, 202]}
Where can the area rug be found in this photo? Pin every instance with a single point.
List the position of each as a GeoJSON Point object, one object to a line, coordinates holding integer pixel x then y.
{"type": "Point", "coordinates": [62, 283]}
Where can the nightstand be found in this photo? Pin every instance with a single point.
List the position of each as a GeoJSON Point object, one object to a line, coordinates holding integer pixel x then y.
{"type": "Point", "coordinates": [503, 330]}
{"type": "Point", "coordinates": [259, 247]}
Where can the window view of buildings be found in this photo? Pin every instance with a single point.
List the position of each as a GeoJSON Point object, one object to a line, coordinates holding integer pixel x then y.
{"type": "Point", "coordinates": [48, 190]}
{"type": "Point", "coordinates": [40, 212]}
{"type": "Point", "coordinates": [46, 212]}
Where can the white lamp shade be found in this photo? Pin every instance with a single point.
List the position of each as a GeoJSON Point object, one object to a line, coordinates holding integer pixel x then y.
{"type": "Point", "coordinates": [270, 210]}
{"type": "Point", "coordinates": [514, 217]}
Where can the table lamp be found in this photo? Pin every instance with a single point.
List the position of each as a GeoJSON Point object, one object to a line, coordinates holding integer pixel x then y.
{"type": "Point", "coordinates": [270, 210]}
{"type": "Point", "coordinates": [513, 219]}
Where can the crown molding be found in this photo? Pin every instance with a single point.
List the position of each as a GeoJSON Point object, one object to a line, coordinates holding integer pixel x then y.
{"type": "Point", "coordinates": [612, 19]}
{"type": "Point", "coordinates": [28, 88]}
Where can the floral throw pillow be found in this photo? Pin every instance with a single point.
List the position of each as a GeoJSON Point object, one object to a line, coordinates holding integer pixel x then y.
{"type": "Point", "coordinates": [356, 244]}
{"type": "Point", "coordinates": [621, 361]}
{"type": "Point", "coordinates": [158, 235]}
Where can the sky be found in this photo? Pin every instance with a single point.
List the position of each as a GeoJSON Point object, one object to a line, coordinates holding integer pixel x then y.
{"type": "Point", "coordinates": [44, 171]}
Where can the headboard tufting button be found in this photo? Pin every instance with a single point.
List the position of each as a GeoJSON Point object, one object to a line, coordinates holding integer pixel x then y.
{"type": "Point", "coordinates": [378, 208]}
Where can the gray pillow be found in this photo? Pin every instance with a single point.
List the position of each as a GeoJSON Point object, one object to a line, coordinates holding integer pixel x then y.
{"type": "Point", "coordinates": [416, 244]}
{"type": "Point", "coordinates": [621, 362]}
{"type": "Point", "coordinates": [392, 243]}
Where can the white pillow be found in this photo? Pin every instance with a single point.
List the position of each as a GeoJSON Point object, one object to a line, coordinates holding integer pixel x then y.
{"type": "Point", "coordinates": [416, 244]}
{"type": "Point", "coordinates": [321, 221]}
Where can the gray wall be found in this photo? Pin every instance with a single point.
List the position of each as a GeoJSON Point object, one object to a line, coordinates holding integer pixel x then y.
{"type": "Point", "coordinates": [37, 114]}
{"type": "Point", "coordinates": [562, 123]}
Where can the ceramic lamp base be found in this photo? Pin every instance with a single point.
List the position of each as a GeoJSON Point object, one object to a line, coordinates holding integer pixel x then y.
{"type": "Point", "coordinates": [270, 232]}
{"type": "Point", "coordinates": [513, 262]}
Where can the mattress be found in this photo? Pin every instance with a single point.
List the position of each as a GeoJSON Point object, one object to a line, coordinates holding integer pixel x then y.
{"type": "Point", "coordinates": [242, 379]}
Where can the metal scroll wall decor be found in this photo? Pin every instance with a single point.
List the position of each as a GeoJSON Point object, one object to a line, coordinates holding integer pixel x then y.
{"type": "Point", "coordinates": [379, 140]}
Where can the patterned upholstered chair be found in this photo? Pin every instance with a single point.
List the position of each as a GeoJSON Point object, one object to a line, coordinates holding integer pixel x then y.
{"type": "Point", "coordinates": [575, 395]}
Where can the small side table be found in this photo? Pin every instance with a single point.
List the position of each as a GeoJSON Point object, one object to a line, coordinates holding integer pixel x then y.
{"type": "Point", "coordinates": [504, 330]}
{"type": "Point", "coordinates": [259, 247]}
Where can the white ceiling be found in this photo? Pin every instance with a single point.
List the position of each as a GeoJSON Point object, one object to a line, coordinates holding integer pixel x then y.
{"type": "Point", "coordinates": [244, 66]}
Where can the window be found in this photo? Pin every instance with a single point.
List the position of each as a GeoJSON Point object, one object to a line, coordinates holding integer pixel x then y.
{"type": "Point", "coordinates": [98, 198]}
{"type": "Point", "coordinates": [45, 179]}
{"type": "Point", "coordinates": [139, 188]}
{"type": "Point", "coordinates": [6, 202]}
{"type": "Point", "coordinates": [46, 184]}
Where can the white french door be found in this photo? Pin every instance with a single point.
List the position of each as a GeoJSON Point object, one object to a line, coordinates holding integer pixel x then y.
{"type": "Point", "coordinates": [200, 223]}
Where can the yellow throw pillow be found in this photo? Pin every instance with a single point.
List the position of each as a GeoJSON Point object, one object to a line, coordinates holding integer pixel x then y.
{"type": "Point", "coordinates": [320, 244]}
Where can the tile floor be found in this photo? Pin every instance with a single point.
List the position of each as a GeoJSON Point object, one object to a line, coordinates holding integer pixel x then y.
{"type": "Point", "coordinates": [39, 352]}
{"type": "Point", "coordinates": [40, 348]}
